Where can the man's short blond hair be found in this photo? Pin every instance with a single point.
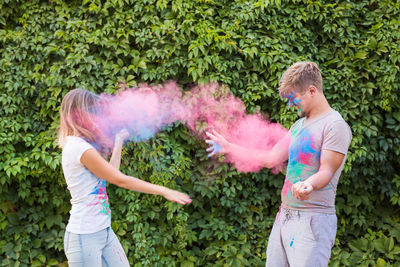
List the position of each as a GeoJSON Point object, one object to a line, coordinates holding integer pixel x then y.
{"type": "Point", "coordinates": [299, 77]}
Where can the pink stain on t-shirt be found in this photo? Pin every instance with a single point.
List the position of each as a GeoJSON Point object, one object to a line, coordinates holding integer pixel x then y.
{"type": "Point", "coordinates": [305, 158]}
{"type": "Point", "coordinates": [287, 187]}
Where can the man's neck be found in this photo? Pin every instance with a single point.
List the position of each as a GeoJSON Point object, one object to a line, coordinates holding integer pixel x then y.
{"type": "Point", "coordinates": [320, 109]}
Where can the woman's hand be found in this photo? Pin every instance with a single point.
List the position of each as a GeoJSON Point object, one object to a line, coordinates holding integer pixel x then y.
{"type": "Point", "coordinates": [121, 136]}
{"type": "Point", "coordinates": [176, 196]}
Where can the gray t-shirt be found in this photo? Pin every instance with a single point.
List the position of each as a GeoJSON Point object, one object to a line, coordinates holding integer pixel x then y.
{"type": "Point", "coordinates": [309, 137]}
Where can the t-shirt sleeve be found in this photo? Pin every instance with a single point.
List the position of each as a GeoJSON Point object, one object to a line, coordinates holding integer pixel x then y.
{"type": "Point", "coordinates": [79, 148]}
{"type": "Point", "coordinates": [337, 137]}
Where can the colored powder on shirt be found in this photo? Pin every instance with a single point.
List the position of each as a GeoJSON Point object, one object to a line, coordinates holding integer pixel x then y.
{"type": "Point", "coordinates": [100, 192]}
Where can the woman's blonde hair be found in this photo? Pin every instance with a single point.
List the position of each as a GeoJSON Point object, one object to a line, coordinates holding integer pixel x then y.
{"type": "Point", "coordinates": [77, 115]}
{"type": "Point", "coordinates": [299, 77]}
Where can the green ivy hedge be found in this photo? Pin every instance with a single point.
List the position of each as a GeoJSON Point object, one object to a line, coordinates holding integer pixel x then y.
{"type": "Point", "coordinates": [49, 47]}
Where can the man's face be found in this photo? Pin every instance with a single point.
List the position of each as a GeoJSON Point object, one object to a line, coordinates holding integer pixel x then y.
{"type": "Point", "coordinates": [295, 100]}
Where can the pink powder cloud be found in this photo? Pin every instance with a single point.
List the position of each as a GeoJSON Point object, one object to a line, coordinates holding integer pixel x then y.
{"type": "Point", "coordinates": [146, 110]}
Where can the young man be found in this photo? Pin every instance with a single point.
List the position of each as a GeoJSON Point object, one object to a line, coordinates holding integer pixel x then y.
{"type": "Point", "coordinates": [315, 147]}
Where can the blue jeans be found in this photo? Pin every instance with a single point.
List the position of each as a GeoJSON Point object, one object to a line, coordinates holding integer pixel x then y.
{"type": "Point", "coordinates": [101, 249]}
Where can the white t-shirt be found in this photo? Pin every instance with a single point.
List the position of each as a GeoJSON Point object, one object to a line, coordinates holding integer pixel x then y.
{"type": "Point", "coordinates": [90, 210]}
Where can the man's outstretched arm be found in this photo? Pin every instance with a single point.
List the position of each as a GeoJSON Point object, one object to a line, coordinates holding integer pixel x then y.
{"type": "Point", "coordinates": [268, 158]}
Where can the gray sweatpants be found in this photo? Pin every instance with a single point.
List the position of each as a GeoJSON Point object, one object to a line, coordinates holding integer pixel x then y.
{"type": "Point", "coordinates": [301, 239]}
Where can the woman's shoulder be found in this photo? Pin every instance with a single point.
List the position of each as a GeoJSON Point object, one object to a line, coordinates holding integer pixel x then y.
{"type": "Point", "coordinates": [74, 147]}
{"type": "Point", "coordinates": [72, 142]}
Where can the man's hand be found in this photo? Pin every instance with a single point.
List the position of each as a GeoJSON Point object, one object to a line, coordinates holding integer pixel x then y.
{"type": "Point", "coordinates": [217, 142]}
{"type": "Point", "coordinates": [302, 190]}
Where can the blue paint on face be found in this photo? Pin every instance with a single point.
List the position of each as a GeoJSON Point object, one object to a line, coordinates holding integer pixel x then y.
{"type": "Point", "coordinates": [292, 100]}
{"type": "Point", "coordinates": [291, 243]}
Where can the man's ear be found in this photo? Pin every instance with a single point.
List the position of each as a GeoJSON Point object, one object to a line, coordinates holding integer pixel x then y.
{"type": "Point", "coordinates": [313, 90]}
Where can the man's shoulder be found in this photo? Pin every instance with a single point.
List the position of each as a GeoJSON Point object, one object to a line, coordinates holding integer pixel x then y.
{"type": "Point", "coordinates": [335, 118]}
{"type": "Point", "coordinates": [336, 126]}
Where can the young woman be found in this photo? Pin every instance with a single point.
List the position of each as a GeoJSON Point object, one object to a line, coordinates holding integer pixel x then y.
{"type": "Point", "coordinates": [89, 239]}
